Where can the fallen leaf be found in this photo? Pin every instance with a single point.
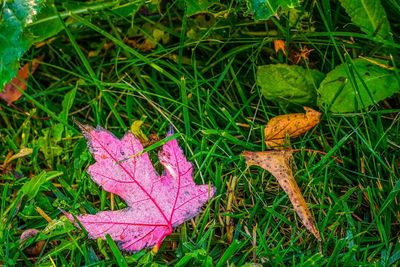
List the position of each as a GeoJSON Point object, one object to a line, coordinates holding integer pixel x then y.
{"type": "Point", "coordinates": [22, 153]}
{"type": "Point", "coordinates": [280, 45]}
{"type": "Point", "coordinates": [278, 163]}
{"type": "Point", "coordinates": [353, 86]}
{"type": "Point", "coordinates": [155, 203]}
{"type": "Point", "coordinates": [12, 90]}
{"type": "Point", "coordinates": [291, 125]}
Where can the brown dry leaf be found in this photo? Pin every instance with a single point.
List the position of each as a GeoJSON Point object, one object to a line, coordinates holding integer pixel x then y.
{"type": "Point", "coordinates": [12, 91]}
{"type": "Point", "coordinates": [22, 153]}
{"type": "Point", "coordinates": [278, 163]}
{"type": "Point", "coordinates": [280, 45]}
{"type": "Point", "coordinates": [292, 125]}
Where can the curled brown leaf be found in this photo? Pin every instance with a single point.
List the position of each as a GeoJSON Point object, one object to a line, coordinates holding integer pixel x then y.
{"type": "Point", "coordinates": [291, 125]}
{"type": "Point", "coordinates": [278, 163]}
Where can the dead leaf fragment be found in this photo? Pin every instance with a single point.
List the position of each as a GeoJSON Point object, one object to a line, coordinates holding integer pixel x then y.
{"type": "Point", "coordinates": [12, 91]}
{"type": "Point", "coordinates": [280, 45]}
{"type": "Point", "coordinates": [137, 131]}
{"type": "Point", "coordinates": [36, 248]}
{"type": "Point", "coordinates": [301, 55]}
{"type": "Point", "coordinates": [291, 125]}
{"type": "Point", "coordinates": [278, 163]}
{"type": "Point", "coordinates": [22, 153]}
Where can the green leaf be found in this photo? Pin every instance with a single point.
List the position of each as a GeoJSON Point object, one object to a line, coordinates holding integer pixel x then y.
{"type": "Point", "coordinates": [24, 23]}
{"type": "Point", "coordinates": [370, 16]}
{"type": "Point", "coordinates": [264, 9]}
{"type": "Point", "coordinates": [14, 41]}
{"type": "Point", "coordinates": [46, 24]}
{"type": "Point", "coordinates": [289, 83]}
{"type": "Point", "coordinates": [353, 86]}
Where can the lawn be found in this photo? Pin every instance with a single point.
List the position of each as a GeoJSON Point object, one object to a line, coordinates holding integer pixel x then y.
{"type": "Point", "coordinates": [168, 65]}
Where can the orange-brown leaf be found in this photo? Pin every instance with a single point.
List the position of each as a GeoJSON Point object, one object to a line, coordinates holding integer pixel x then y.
{"type": "Point", "coordinates": [278, 163]}
{"type": "Point", "coordinates": [280, 45]}
{"type": "Point", "coordinates": [291, 125]}
{"type": "Point", "coordinates": [12, 91]}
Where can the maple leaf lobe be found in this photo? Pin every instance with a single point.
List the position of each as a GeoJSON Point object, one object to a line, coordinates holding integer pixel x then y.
{"type": "Point", "coordinates": [156, 203]}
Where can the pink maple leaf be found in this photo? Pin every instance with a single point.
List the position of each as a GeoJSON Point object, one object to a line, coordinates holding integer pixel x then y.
{"type": "Point", "coordinates": [156, 203]}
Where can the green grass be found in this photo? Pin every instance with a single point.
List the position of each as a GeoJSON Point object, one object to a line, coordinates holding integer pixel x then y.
{"type": "Point", "coordinates": [205, 88]}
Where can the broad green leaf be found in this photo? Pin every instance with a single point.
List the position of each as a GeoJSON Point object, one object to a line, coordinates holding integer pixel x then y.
{"type": "Point", "coordinates": [24, 23]}
{"type": "Point", "coordinates": [264, 9]}
{"type": "Point", "coordinates": [289, 83]}
{"type": "Point", "coordinates": [370, 16]}
{"type": "Point", "coordinates": [14, 41]}
{"type": "Point", "coordinates": [46, 24]}
{"type": "Point", "coordinates": [351, 87]}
